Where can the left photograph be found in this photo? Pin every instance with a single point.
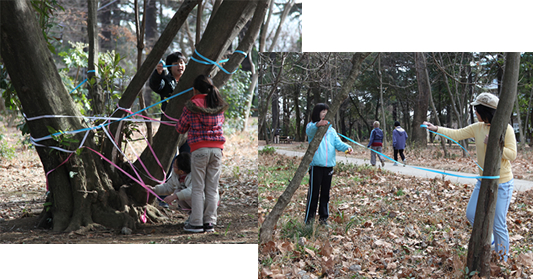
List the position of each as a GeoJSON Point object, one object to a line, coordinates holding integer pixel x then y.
{"type": "Point", "coordinates": [134, 121]}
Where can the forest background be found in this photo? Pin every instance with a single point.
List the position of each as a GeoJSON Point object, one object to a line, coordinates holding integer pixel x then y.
{"type": "Point", "coordinates": [365, 200]}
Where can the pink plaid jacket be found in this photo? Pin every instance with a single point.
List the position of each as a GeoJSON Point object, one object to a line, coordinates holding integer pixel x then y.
{"type": "Point", "coordinates": [204, 124]}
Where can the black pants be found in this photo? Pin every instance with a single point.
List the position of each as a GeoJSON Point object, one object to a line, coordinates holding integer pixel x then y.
{"type": "Point", "coordinates": [396, 154]}
{"type": "Point", "coordinates": [319, 185]}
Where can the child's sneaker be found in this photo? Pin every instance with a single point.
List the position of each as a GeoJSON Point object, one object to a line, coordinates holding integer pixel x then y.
{"type": "Point", "coordinates": [191, 228]}
{"type": "Point", "coordinates": [209, 227]}
{"type": "Point", "coordinates": [395, 164]}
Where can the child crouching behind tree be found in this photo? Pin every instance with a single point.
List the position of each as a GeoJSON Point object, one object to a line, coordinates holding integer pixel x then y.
{"type": "Point", "coordinates": [178, 186]}
{"type": "Point", "coordinates": [321, 168]}
{"type": "Point", "coordinates": [202, 117]}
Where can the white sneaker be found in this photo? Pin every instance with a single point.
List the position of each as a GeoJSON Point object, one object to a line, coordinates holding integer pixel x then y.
{"type": "Point", "coordinates": [395, 164]}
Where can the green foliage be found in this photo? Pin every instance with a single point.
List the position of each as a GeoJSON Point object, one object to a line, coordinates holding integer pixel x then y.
{"type": "Point", "coordinates": [9, 95]}
{"type": "Point", "coordinates": [269, 150]}
{"type": "Point", "coordinates": [467, 273]}
{"type": "Point", "coordinates": [236, 94]}
{"type": "Point", "coordinates": [109, 72]}
{"type": "Point", "coordinates": [64, 140]}
{"type": "Point", "coordinates": [6, 151]}
{"type": "Point", "coordinates": [45, 14]}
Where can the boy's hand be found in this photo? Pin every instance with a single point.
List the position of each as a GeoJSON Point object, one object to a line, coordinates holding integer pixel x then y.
{"type": "Point", "coordinates": [159, 68]}
{"type": "Point", "coordinates": [349, 151]}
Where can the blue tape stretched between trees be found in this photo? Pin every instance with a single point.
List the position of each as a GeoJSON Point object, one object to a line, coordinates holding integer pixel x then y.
{"type": "Point", "coordinates": [426, 126]}
{"type": "Point", "coordinates": [90, 71]}
{"type": "Point", "coordinates": [109, 123]}
{"type": "Point", "coordinates": [420, 168]}
{"type": "Point", "coordinates": [211, 62]}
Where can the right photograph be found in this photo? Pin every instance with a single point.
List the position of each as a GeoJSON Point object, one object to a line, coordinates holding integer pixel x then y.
{"type": "Point", "coordinates": [395, 165]}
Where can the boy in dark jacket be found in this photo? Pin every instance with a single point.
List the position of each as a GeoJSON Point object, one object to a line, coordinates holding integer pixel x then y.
{"type": "Point", "coordinates": [376, 143]}
{"type": "Point", "coordinates": [163, 83]}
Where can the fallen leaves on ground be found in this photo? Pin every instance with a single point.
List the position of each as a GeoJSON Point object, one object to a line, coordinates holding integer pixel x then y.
{"type": "Point", "coordinates": [382, 225]}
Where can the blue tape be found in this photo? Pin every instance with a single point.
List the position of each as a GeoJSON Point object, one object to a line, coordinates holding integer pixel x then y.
{"type": "Point", "coordinates": [165, 66]}
{"type": "Point", "coordinates": [426, 126]}
{"type": "Point", "coordinates": [211, 62]}
{"type": "Point", "coordinates": [91, 71]}
{"type": "Point", "coordinates": [127, 116]}
{"type": "Point", "coordinates": [420, 168]}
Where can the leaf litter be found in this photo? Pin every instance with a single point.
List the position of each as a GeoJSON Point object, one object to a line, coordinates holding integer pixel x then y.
{"type": "Point", "coordinates": [382, 225]}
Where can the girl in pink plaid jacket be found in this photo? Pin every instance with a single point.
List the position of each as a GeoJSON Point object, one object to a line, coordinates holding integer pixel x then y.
{"type": "Point", "coordinates": [202, 117]}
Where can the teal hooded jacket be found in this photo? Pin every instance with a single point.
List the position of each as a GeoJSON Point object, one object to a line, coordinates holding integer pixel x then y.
{"type": "Point", "coordinates": [325, 155]}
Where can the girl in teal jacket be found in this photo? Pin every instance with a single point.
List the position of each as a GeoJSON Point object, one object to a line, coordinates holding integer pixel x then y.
{"type": "Point", "coordinates": [321, 168]}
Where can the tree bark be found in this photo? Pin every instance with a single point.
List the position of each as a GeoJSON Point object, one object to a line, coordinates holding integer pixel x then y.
{"type": "Point", "coordinates": [140, 26]}
{"type": "Point", "coordinates": [383, 120]}
{"type": "Point", "coordinates": [95, 90]}
{"type": "Point", "coordinates": [263, 109]}
{"type": "Point", "coordinates": [83, 190]}
{"type": "Point", "coordinates": [267, 228]}
{"type": "Point", "coordinates": [131, 92]}
{"type": "Point", "coordinates": [421, 108]}
{"type": "Point", "coordinates": [478, 258]}
{"type": "Point", "coordinates": [251, 91]}
{"type": "Point", "coordinates": [264, 30]}
{"type": "Point", "coordinates": [81, 185]}
{"type": "Point", "coordinates": [246, 44]}
{"type": "Point", "coordinates": [520, 128]}
{"type": "Point", "coordinates": [286, 10]}
{"type": "Point", "coordinates": [218, 35]}
{"type": "Point", "coordinates": [442, 140]}
{"type": "Point", "coordinates": [526, 124]}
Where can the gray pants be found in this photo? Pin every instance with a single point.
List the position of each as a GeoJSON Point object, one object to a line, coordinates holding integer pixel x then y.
{"type": "Point", "coordinates": [373, 155]}
{"type": "Point", "coordinates": [205, 173]}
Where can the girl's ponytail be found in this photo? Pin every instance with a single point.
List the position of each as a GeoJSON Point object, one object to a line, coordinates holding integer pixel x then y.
{"type": "Point", "coordinates": [205, 85]}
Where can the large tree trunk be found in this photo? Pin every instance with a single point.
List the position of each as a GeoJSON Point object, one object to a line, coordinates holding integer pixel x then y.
{"type": "Point", "coordinates": [218, 35]}
{"type": "Point", "coordinates": [80, 191]}
{"type": "Point", "coordinates": [265, 233]}
{"type": "Point", "coordinates": [131, 92]}
{"type": "Point", "coordinates": [86, 190]}
{"type": "Point", "coordinates": [480, 241]}
{"type": "Point", "coordinates": [421, 108]}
